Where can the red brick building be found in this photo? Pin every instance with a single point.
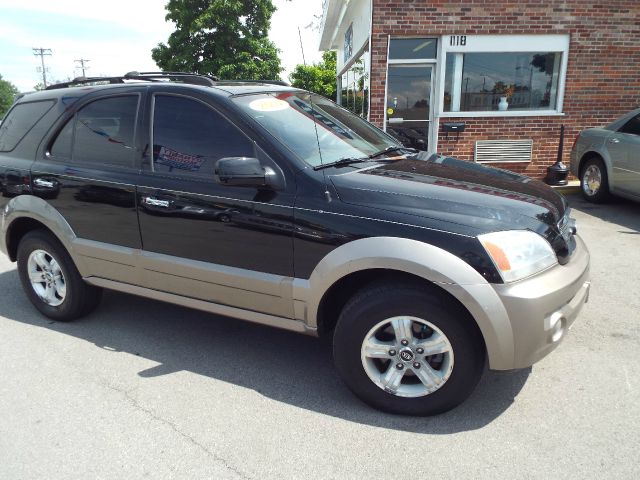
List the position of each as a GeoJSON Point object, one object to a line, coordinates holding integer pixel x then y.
{"type": "Point", "coordinates": [511, 71]}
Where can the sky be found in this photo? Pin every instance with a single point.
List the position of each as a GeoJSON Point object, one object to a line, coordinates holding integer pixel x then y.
{"type": "Point", "coordinates": [117, 36]}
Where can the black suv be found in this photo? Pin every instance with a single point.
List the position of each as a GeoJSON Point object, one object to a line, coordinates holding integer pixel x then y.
{"type": "Point", "coordinates": [273, 205]}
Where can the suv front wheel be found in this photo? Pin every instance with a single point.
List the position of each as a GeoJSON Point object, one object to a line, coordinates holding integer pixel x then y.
{"type": "Point", "coordinates": [51, 280]}
{"type": "Point", "coordinates": [403, 349]}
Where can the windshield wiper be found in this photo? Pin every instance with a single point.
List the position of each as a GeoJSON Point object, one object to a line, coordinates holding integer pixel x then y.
{"type": "Point", "coordinates": [351, 160]}
{"type": "Point", "coordinates": [392, 148]}
{"type": "Point", "coordinates": [342, 161]}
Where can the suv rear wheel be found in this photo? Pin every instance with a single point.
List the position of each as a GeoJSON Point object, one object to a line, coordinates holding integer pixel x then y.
{"type": "Point", "coordinates": [51, 280]}
{"type": "Point", "coordinates": [404, 350]}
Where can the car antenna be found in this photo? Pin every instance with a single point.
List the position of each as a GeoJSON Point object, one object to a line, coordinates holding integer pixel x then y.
{"type": "Point", "coordinates": [327, 194]}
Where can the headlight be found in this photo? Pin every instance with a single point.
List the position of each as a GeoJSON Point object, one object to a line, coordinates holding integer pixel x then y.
{"type": "Point", "coordinates": [518, 253]}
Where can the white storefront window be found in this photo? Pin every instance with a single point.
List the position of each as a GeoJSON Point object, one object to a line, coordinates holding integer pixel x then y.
{"type": "Point", "coordinates": [502, 75]}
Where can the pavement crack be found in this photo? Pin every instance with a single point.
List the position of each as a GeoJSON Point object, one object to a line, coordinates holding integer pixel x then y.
{"type": "Point", "coordinates": [134, 402]}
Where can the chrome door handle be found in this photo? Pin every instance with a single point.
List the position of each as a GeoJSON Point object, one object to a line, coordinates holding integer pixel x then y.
{"type": "Point", "coordinates": [39, 182]}
{"type": "Point", "coordinates": [614, 140]}
{"type": "Point", "coordinates": [154, 202]}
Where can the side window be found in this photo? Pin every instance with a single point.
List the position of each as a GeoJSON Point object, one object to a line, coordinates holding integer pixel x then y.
{"type": "Point", "coordinates": [104, 132]}
{"type": "Point", "coordinates": [189, 137]}
{"type": "Point", "coordinates": [19, 121]}
{"type": "Point", "coordinates": [61, 147]}
{"type": "Point", "coordinates": [632, 126]}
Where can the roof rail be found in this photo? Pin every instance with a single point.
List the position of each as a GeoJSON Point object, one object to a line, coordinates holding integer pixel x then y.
{"type": "Point", "coordinates": [268, 82]}
{"type": "Point", "coordinates": [191, 78]}
{"type": "Point", "coordinates": [85, 80]}
{"type": "Point", "coordinates": [181, 77]}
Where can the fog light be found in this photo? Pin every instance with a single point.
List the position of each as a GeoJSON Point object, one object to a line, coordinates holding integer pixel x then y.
{"type": "Point", "coordinates": [557, 323]}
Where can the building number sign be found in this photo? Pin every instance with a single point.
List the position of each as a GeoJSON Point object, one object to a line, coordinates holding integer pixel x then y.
{"type": "Point", "coordinates": [457, 40]}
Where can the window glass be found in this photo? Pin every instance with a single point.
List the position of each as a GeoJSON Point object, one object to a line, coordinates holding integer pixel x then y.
{"type": "Point", "coordinates": [19, 121]}
{"type": "Point", "coordinates": [503, 81]}
{"type": "Point", "coordinates": [632, 126]}
{"type": "Point", "coordinates": [104, 132]}
{"type": "Point", "coordinates": [315, 129]}
{"type": "Point", "coordinates": [408, 92]}
{"type": "Point", "coordinates": [189, 137]}
{"type": "Point", "coordinates": [355, 87]}
{"type": "Point", "coordinates": [412, 48]}
{"type": "Point", "coordinates": [448, 82]}
{"type": "Point", "coordinates": [61, 147]}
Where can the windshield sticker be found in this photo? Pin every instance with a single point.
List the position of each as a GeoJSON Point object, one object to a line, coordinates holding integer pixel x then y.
{"type": "Point", "coordinates": [323, 119]}
{"type": "Point", "coordinates": [182, 161]}
{"type": "Point", "coordinates": [268, 105]}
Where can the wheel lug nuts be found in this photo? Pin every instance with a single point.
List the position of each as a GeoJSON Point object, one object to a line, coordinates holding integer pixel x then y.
{"type": "Point", "coordinates": [399, 366]}
{"type": "Point", "coordinates": [404, 343]}
{"type": "Point", "coordinates": [392, 352]}
{"type": "Point", "coordinates": [416, 365]}
{"type": "Point", "coordinates": [420, 351]}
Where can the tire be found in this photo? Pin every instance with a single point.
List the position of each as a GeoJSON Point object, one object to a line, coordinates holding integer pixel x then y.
{"type": "Point", "coordinates": [594, 180]}
{"type": "Point", "coordinates": [378, 315]}
{"type": "Point", "coordinates": [61, 294]}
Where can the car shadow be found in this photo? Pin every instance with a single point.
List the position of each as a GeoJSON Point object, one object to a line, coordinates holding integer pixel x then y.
{"type": "Point", "coordinates": [619, 211]}
{"type": "Point", "coordinates": [284, 366]}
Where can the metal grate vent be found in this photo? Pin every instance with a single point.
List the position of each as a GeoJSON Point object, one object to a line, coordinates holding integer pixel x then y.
{"type": "Point", "coordinates": [503, 151]}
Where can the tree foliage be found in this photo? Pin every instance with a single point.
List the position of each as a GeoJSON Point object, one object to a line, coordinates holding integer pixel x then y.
{"type": "Point", "coordinates": [225, 38]}
{"type": "Point", "coordinates": [318, 78]}
{"type": "Point", "coordinates": [8, 91]}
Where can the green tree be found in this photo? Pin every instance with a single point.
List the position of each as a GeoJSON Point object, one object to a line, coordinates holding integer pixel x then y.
{"type": "Point", "coordinates": [225, 38]}
{"type": "Point", "coordinates": [319, 78]}
{"type": "Point", "coordinates": [8, 91]}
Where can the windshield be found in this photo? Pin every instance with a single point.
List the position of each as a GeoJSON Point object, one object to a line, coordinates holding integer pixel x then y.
{"type": "Point", "coordinates": [303, 122]}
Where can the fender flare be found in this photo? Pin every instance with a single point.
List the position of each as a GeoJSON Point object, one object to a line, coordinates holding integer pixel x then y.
{"type": "Point", "coordinates": [422, 260]}
{"type": "Point", "coordinates": [30, 206]}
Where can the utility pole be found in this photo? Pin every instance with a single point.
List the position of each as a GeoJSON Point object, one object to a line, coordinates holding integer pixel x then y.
{"type": "Point", "coordinates": [82, 66]}
{"type": "Point", "coordinates": [41, 52]}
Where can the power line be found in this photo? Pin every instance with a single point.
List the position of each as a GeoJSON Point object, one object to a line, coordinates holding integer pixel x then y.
{"type": "Point", "coordinates": [82, 66]}
{"type": "Point", "coordinates": [41, 52]}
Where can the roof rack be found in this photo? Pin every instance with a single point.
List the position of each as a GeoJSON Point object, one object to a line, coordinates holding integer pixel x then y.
{"type": "Point", "coordinates": [181, 77]}
{"type": "Point", "coordinates": [191, 78]}
{"type": "Point", "coordinates": [268, 82]}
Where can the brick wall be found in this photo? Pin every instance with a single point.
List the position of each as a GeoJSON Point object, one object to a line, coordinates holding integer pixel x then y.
{"type": "Point", "coordinates": [603, 75]}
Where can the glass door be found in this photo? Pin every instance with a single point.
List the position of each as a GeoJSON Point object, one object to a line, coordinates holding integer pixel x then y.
{"type": "Point", "coordinates": [408, 110]}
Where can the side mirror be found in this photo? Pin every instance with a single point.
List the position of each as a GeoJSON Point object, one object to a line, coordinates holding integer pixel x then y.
{"type": "Point", "coordinates": [245, 172]}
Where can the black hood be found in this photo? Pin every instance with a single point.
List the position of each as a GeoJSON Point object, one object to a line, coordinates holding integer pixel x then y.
{"type": "Point", "coordinates": [455, 191]}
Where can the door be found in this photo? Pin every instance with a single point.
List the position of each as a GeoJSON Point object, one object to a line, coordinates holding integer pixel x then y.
{"type": "Point", "coordinates": [624, 150]}
{"type": "Point", "coordinates": [225, 244]}
{"type": "Point", "coordinates": [408, 110]}
{"type": "Point", "coordinates": [88, 174]}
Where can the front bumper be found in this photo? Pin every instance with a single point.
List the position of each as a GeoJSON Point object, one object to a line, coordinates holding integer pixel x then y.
{"type": "Point", "coordinates": [542, 308]}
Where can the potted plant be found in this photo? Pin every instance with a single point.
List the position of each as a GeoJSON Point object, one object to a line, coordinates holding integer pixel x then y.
{"type": "Point", "coordinates": [505, 91]}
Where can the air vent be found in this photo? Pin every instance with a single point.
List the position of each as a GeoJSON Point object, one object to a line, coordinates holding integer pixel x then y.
{"type": "Point", "coordinates": [503, 151]}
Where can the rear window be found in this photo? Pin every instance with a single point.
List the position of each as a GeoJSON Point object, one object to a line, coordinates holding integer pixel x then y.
{"type": "Point", "coordinates": [20, 119]}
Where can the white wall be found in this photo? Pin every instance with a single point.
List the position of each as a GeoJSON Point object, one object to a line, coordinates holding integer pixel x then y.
{"type": "Point", "coordinates": [358, 12]}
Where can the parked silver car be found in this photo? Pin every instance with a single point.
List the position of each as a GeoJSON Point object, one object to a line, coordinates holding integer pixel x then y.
{"type": "Point", "coordinates": [607, 159]}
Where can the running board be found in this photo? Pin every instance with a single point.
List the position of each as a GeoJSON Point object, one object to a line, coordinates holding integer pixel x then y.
{"type": "Point", "coordinates": [209, 307]}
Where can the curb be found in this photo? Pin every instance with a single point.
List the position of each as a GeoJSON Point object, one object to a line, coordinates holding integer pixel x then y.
{"type": "Point", "coordinates": [572, 187]}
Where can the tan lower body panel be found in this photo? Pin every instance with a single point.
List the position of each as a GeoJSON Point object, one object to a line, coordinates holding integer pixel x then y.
{"type": "Point", "coordinates": [212, 284]}
{"type": "Point", "coordinates": [255, 317]}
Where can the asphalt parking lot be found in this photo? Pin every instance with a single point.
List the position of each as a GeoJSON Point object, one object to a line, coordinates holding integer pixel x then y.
{"type": "Point", "coordinates": [145, 389]}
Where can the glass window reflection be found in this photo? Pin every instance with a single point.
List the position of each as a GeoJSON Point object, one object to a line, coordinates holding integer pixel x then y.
{"type": "Point", "coordinates": [503, 81]}
{"type": "Point", "coordinates": [413, 48]}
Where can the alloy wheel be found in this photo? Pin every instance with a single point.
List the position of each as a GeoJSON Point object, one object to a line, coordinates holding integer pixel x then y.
{"type": "Point", "coordinates": [407, 356]}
